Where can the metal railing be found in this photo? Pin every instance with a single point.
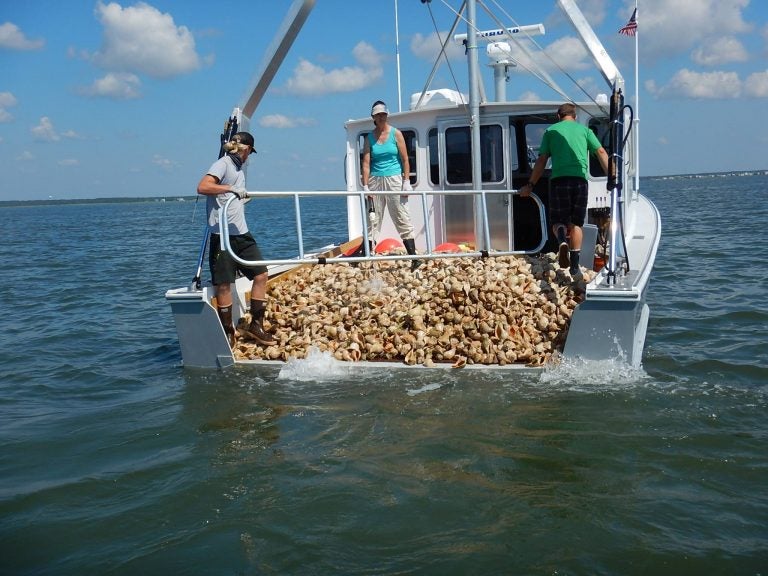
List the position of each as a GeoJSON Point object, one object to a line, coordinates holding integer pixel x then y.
{"type": "Point", "coordinates": [430, 254]}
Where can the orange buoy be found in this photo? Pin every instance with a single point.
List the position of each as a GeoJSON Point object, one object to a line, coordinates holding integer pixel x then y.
{"type": "Point", "coordinates": [447, 247]}
{"type": "Point", "coordinates": [387, 245]}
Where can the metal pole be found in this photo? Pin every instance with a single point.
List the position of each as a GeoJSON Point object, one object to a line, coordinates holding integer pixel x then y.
{"type": "Point", "coordinates": [397, 56]}
{"type": "Point", "coordinates": [474, 114]}
{"type": "Point", "coordinates": [637, 110]}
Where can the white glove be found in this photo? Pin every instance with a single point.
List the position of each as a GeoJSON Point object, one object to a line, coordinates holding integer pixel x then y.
{"type": "Point", "coordinates": [407, 185]}
{"type": "Point", "coordinates": [239, 191]}
{"type": "Point", "coordinates": [365, 189]}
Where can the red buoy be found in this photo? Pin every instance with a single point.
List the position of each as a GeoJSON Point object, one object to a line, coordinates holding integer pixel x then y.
{"type": "Point", "coordinates": [447, 247]}
{"type": "Point", "coordinates": [388, 245]}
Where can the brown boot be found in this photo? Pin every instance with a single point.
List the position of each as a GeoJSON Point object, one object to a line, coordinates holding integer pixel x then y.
{"type": "Point", "coordinates": [225, 315]}
{"type": "Point", "coordinates": [255, 329]}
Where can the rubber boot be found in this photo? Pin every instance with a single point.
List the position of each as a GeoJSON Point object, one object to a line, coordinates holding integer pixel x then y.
{"type": "Point", "coordinates": [410, 247]}
{"type": "Point", "coordinates": [225, 315]}
{"type": "Point", "coordinates": [575, 270]}
{"type": "Point", "coordinates": [255, 329]}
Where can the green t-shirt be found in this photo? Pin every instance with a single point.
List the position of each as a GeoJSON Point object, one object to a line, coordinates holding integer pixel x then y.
{"type": "Point", "coordinates": [569, 144]}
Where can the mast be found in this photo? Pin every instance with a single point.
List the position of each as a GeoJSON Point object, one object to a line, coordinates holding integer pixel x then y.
{"type": "Point", "coordinates": [474, 98]}
{"type": "Point", "coordinates": [474, 114]}
{"type": "Point", "coordinates": [397, 57]}
{"type": "Point", "coordinates": [637, 111]}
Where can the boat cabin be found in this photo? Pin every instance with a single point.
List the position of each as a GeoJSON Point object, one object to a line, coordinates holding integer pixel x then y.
{"type": "Point", "coordinates": [437, 137]}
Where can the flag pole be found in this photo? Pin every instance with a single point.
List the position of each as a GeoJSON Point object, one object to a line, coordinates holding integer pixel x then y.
{"type": "Point", "coordinates": [397, 56]}
{"type": "Point", "coordinates": [637, 109]}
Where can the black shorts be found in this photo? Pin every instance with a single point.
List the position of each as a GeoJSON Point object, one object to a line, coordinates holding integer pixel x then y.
{"type": "Point", "coordinates": [224, 268]}
{"type": "Point", "coordinates": [568, 197]}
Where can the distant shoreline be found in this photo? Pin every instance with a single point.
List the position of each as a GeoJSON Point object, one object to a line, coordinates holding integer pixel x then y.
{"type": "Point", "coordinates": [160, 199]}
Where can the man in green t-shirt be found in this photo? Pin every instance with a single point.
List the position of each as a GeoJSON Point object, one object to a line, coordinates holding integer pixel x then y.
{"type": "Point", "coordinates": [569, 144]}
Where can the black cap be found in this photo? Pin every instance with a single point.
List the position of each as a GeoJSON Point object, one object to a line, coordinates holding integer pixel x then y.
{"type": "Point", "coordinates": [244, 138]}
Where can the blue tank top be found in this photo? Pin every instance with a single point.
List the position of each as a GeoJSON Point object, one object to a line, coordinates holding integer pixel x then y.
{"type": "Point", "coordinates": [385, 159]}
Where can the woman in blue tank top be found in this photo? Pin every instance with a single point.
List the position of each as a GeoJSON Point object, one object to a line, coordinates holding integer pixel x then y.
{"type": "Point", "coordinates": [386, 168]}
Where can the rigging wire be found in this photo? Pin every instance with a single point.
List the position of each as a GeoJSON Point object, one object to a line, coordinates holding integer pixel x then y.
{"type": "Point", "coordinates": [541, 74]}
{"type": "Point", "coordinates": [443, 44]}
{"type": "Point", "coordinates": [536, 70]}
{"type": "Point", "coordinates": [544, 52]}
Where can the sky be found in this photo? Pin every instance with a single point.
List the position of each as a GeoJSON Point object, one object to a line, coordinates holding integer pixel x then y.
{"type": "Point", "coordinates": [124, 99]}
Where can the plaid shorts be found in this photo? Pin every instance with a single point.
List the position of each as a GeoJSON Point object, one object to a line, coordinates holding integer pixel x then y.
{"type": "Point", "coordinates": [568, 197]}
{"type": "Point", "coordinates": [223, 268]}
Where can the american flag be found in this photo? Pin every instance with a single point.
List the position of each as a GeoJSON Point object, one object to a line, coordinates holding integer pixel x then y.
{"type": "Point", "coordinates": [630, 28]}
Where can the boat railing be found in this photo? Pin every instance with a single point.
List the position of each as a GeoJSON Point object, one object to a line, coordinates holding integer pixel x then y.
{"type": "Point", "coordinates": [429, 254]}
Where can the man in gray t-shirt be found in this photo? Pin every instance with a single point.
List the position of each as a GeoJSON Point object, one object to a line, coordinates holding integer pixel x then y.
{"type": "Point", "coordinates": [225, 176]}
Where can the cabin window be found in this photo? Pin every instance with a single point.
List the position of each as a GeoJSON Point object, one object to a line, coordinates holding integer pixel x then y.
{"type": "Point", "coordinates": [434, 158]}
{"type": "Point", "coordinates": [602, 129]}
{"type": "Point", "coordinates": [458, 154]}
{"type": "Point", "coordinates": [533, 135]}
{"type": "Point", "coordinates": [410, 145]}
{"type": "Point", "coordinates": [514, 161]}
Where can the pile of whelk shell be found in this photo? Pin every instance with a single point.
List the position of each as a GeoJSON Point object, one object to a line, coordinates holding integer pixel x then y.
{"type": "Point", "coordinates": [497, 310]}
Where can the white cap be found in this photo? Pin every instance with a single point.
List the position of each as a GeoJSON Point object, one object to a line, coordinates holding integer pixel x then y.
{"type": "Point", "coordinates": [378, 109]}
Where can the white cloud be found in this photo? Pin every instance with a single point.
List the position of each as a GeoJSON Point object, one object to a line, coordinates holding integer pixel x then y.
{"type": "Point", "coordinates": [596, 9]}
{"type": "Point", "coordinates": [428, 47]}
{"type": "Point", "coordinates": [529, 95]}
{"type": "Point", "coordinates": [569, 53]}
{"type": "Point", "coordinates": [367, 55]}
{"type": "Point", "coordinates": [69, 162]}
{"type": "Point", "coordinates": [163, 163]}
{"type": "Point", "coordinates": [142, 39]}
{"type": "Point", "coordinates": [280, 121]}
{"type": "Point", "coordinates": [756, 85]}
{"type": "Point", "coordinates": [720, 51]}
{"type": "Point", "coordinates": [6, 100]}
{"type": "Point", "coordinates": [674, 26]}
{"type": "Point", "coordinates": [45, 131]}
{"type": "Point", "coordinates": [119, 86]}
{"type": "Point", "coordinates": [25, 156]}
{"type": "Point", "coordinates": [13, 38]}
{"type": "Point", "coordinates": [312, 80]}
{"type": "Point", "coordinates": [708, 85]}
{"type": "Point", "coordinates": [71, 134]}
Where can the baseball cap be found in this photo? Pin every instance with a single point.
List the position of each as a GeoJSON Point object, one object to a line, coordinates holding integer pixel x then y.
{"type": "Point", "coordinates": [245, 138]}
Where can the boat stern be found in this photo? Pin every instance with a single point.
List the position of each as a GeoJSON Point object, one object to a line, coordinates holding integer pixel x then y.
{"type": "Point", "coordinates": [201, 336]}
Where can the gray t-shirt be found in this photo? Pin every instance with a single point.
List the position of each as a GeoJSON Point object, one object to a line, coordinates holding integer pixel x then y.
{"type": "Point", "coordinates": [227, 174]}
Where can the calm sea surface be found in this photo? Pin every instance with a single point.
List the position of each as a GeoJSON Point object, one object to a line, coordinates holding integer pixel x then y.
{"type": "Point", "coordinates": [116, 460]}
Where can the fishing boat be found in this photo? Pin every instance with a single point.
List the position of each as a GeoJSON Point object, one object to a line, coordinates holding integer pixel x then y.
{"type": "Point", "coordinates": [469, 157]}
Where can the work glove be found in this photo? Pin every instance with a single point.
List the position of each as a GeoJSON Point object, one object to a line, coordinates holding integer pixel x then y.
{"type": "Point", "coordinates": [407, 185]}
{"type": "Point", "coordinates": [239, 191]}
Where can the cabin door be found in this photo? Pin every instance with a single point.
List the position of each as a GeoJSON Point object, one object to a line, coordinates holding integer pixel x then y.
{"type": "Point", "coordinates": [464, 216]}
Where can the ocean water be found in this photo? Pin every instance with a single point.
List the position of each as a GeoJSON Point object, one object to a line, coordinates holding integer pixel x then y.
{"type": "Point", "coordinates": [116, 460]}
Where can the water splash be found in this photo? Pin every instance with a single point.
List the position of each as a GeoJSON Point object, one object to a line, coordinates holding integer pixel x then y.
{"type": "Point", "coordinates": [579, 375]}
{"type": "Point", "coordinates": [317, 366]}
{"type": "Point", "coordinates": [425, 388]}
